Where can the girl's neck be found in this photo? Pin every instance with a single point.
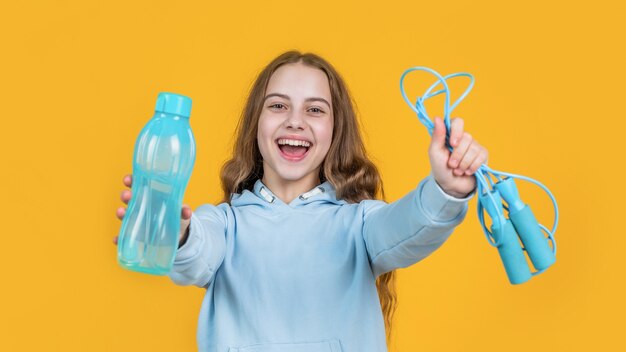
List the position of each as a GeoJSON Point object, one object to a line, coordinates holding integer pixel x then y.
{"type": "Point", "coordinates": [288, 190]}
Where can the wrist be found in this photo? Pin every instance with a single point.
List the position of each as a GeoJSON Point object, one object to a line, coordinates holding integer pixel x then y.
{"type": "Point", "coordinates": [457, 194]}
{"type": "Point", "coordinates": [454, 193]}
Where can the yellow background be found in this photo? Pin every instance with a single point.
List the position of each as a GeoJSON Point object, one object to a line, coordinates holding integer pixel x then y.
{"type": "Point", "coordinates": [80, 78]}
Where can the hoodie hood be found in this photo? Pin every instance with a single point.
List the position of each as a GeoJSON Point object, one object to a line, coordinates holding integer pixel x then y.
{"type": "Point", "coordinates": [323, 194]}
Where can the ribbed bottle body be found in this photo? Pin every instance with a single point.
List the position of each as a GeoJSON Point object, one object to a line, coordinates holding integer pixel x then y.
{"type": "Point", "coordinates": [162, 164]}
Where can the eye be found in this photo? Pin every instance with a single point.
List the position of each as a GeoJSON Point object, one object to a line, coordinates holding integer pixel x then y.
{"type": "Point", "coordinates": [316, 110]}
{"type": "Point", "coordinates": [277, 106]}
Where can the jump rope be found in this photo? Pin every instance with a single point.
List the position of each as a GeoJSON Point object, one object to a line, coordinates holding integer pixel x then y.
{"type": "Point", "coordinates": [512, 220]}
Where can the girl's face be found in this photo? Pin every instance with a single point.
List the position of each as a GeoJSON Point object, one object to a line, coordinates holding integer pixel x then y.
{"type": "Point", "coordinates": [296, 125]}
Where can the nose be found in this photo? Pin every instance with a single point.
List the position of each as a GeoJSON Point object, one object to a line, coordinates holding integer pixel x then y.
{"type": "Point", "coordinates": [295, 120]}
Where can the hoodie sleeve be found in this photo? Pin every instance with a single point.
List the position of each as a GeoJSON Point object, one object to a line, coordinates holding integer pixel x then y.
{"type": "Point", "coordinates": [406, 231]}
{"type": "Point", "coordinates": [199, 258]}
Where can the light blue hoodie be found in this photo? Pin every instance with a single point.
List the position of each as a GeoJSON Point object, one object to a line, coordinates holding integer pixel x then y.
{"type": "Point", "coordinates": [300, 277]}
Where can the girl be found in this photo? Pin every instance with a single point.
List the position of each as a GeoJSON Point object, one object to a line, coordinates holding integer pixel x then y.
{"type": "Point", "coordinates": [300, 256]}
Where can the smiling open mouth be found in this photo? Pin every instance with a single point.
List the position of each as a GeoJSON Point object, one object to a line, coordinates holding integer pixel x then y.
{"type": "Point", "coordinates": [292, 148]}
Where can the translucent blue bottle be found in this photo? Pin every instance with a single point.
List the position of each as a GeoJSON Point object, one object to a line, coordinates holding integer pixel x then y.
{"type": "Point", "coordinates": [164, 156]}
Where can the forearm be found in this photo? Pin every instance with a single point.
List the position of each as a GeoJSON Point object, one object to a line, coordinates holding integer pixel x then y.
{"type": "Point", "coordinates": [404, 232]}
{"type": "Point", "coordinates": [201, 249]}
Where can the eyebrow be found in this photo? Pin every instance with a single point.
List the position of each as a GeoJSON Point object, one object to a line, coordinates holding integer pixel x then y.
{"type": "Point", "coordinates": [284, 96]}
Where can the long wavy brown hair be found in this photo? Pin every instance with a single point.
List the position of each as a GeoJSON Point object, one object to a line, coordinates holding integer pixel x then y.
{"type": "Point", "coordinates": [346, 166]}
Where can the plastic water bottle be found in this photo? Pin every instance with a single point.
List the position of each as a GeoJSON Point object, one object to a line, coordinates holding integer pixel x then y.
{"type": "Point", "coordinates": [163, 160]}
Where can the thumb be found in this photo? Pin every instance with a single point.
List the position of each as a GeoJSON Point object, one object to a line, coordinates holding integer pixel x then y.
{"type": "Point", "coordinates": [438, 140]}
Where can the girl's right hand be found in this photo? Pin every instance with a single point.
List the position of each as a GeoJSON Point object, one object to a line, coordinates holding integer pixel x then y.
{"type": "Point", "coordinates": [126, 196]}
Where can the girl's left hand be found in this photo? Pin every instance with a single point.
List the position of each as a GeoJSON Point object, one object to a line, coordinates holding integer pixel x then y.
{"type": "Point", "coordinates": [454, 171]}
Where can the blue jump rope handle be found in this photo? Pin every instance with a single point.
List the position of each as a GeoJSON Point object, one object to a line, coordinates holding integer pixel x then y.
{"type": "Point", "coordinates": [506, 239]}
{"type": "Point", "coordinates": [511, 253]}
{"type": "Point", "coordinates": [535, 243]}
{"type": "Point", "coordinates": [526, 225]}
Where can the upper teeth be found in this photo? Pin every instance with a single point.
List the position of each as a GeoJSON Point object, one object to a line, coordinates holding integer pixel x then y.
{"type": "Point", "coordinates": [294, 142]}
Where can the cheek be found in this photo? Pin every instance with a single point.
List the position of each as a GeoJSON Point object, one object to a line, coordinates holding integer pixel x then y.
{"type": "Point", "coordinates": [325, 134]}
{"type": "Point", "coordinates": [262, 145]}
{"type": "Point", "coordinates": [264, 135]}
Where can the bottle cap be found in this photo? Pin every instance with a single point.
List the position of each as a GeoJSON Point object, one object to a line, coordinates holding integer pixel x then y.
{"type": "Point", "coordinates": [175, 104]}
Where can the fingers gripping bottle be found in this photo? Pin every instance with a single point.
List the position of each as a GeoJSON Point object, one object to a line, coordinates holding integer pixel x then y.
{"type": "Point", "coordinates": [163, 160]}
